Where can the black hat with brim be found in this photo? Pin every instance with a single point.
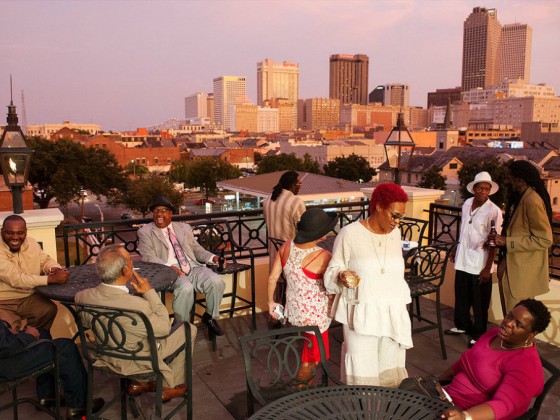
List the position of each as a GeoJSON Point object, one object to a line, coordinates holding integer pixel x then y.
{"type": "Point", "coordinates": [314, 224]}
{"type": "Point", "coordinates": [162, 202]}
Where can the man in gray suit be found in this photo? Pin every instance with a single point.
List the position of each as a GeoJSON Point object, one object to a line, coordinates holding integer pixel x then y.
{"type": "Point", "coordinates": [173, 244]}
{"type": "Point", "coordinates": [115, 269]}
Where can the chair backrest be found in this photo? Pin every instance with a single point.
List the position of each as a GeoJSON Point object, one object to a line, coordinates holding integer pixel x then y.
{"type": "Point", "coordinates": [428, 263]}
{"type": "Point", "coordinates": [51, 366]}
{"type": "Point", "coordinates": [554, 376]}
{"type": "Point", "coordinates": [413, 229]}
{"type": "Point", "coordinates": [276, 243]}
{"type": "Point", "coordinates": [112, 338]}
{"type": "Point", "coordinates": [273, 359]}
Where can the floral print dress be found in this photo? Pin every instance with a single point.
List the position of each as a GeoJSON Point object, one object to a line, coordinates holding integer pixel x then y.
{"type": "Point", "coordinates": [306, 297]}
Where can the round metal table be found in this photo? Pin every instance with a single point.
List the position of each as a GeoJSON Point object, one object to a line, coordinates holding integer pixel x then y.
{"type": "Point", "coordinates": [85, 277]}
{"type": "Point", "coordinates": [353, 402]}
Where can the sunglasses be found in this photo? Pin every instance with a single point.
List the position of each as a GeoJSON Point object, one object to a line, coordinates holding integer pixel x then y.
{"type": "Point", "coordinates": [397, 217]}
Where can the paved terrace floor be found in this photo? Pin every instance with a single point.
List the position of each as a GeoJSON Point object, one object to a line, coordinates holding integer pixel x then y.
{"type": "Point", "coordinates": [219, 377]}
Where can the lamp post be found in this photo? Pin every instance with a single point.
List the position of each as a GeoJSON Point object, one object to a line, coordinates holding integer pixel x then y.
{"type": "Point", "coordinates": [83, 193]}
{"type": "Point", "coordinates": [399, 148]}
{"type": "Point", "coordinates": [15, 157]}
{"type": "Point", "coordinates": [133, 167]}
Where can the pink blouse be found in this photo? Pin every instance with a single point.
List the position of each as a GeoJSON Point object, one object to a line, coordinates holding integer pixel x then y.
{"type": "Point", "coordinates": [505, 380]}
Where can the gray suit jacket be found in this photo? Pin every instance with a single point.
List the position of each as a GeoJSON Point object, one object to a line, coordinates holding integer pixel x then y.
{"type": "Point", "coordinates": [150, 304]}
{"type": "Point", "coordinates": [152, 244]}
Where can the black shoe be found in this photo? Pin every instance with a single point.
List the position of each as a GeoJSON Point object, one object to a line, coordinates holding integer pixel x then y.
{"type": "Point", "coordinates": [78, 412]}
{"type": "Point", "coordinates": [212, 324]}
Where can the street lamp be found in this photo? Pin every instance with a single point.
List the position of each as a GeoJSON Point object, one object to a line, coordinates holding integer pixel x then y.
{"type": "Point", "coordinates": [15, 157]}
{"type": "Point", "coordinates": [134, 167]}
{"type": "Point", "coordinates": [83, 193]}
{"type": "Point", "coordinates": [399, 147]}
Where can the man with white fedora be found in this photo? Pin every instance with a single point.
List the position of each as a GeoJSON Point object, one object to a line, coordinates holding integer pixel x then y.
{"type": "Point", "coordinates": [474, 261]}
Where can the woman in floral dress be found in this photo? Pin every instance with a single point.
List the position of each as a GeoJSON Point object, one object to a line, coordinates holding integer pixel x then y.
{"type": "Point", "coordinates": [307, 301]}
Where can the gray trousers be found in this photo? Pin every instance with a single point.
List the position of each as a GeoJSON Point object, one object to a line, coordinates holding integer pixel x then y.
{"type": "Point", "coordinates": [201, 280]}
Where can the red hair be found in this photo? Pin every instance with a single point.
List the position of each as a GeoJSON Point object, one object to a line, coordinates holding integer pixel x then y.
{"type": "Point", "coordinates": [386, 194]}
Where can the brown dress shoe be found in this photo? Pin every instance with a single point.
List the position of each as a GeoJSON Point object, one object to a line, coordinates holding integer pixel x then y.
{"type": "Point", "coordinates": [137, 388]}
{"type": "Point", "coordinates": [169, 393]}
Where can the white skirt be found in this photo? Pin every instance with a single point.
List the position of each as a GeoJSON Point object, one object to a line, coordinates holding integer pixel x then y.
{"type": "Point", "coordinates": [372, 360]}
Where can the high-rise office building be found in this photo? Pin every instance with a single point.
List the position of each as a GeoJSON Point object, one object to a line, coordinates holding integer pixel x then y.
{"type": "Point", "coordinates": [516, 44]}
{"type": "Point", "coordinates": [395, 94]}
{"type": "Point", "coordinates": [278, 81]}
{"type": "Point", "coordinates": [377, 95]}
{"type": "Point", "coordinates": [228, 91]}
{"type": "Point", "coordinates": [318, 113]}
{"type": "Point", "coordinates": [481, 49]}
{"type": "Point", "coordinates": [196, 105]}
{"type": "Point", "coordinates": [441, 97]}
{"type": "Point", "coordinates": [348, 78]}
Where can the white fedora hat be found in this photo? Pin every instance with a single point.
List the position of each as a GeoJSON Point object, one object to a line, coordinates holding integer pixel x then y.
{"type": "Point", "coordinates": [483, 177]}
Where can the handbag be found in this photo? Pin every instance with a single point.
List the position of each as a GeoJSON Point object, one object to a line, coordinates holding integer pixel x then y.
{"type": "Point", "coordinates": [428, 386]}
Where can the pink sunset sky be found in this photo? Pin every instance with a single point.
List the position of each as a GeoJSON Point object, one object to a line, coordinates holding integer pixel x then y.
{"type": "Point", "coordinates": [129, 64]}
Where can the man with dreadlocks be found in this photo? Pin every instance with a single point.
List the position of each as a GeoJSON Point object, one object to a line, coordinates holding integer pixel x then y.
{"type": "Point", "coordinates": [282, 211]}
{"type": "Point", "coordinates": [526, 236]}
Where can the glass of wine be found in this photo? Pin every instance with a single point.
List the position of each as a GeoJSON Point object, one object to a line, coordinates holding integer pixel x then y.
{"type": "Point", "coordinates": [353, 280]}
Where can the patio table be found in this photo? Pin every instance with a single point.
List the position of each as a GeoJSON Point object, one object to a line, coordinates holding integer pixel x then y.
{"type": "Point", "coordinates": [353, 402]}
{"type": "Point", "coordinates": [85, 277]}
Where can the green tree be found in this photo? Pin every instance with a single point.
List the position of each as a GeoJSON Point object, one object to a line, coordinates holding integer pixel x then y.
{"type": "Point", "coordinates": [136, 169]}
{"type": "Point", "coordinates": [61, 168]}
{"type": "Point", "coordinates": [433, 179]}
{"type": "Point", "coordinates": [352, 168]}
{"type": "Point", "coordinates": [203, 173]}
{"type": "Point", "coordinates": [494, 167]}
{"type": "Point", "coordinates": [287, 162]}
{"type": "Point", "coordinates": [143, 191]}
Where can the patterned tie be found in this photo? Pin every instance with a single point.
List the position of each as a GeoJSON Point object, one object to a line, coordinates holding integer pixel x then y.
{"type": "Point", "coordinates": [179, 253]}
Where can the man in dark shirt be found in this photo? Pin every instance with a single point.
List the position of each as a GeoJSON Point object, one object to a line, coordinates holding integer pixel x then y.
{"type": "Point", "coordinates": [17, 360]}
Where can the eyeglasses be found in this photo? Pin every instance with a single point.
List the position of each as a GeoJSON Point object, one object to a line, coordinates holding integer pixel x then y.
{"type": "Point", "coordinates": [397, 217]}
{"type": "Point", "coordinates": [161, 211]}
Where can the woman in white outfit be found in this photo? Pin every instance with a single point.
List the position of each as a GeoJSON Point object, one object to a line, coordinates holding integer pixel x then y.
{"type": "Point", "coordinates": [377, 328]}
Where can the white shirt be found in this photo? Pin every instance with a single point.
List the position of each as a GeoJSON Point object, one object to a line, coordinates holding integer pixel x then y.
{"type": "Point", "coordinates": [471, 256]}
{"type": "Point", "coordinates": [116, 286]}
{"type": "Point", "coordinates": [171, 257]}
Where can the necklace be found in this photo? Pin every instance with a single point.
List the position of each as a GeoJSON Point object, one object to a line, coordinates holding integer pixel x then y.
{"type": "Point", "coordinates": [523, 346]}
{"type": "Point", "coordinates": [472, 214]}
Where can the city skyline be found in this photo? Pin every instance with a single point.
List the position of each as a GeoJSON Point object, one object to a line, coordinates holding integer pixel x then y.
{"type": "Point", "coordinates": [125, 64]}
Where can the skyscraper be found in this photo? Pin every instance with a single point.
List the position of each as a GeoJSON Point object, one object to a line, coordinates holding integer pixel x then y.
{"type": "Point", "coordinates": [481, 49]}
{"type": "Point", "coordinates": [348, 78]}
{"type": "Point", "coordinates": [228, 91]}
{"type": "Point", "coordinates": [278, 81]}
{"type": "Point", "coordinates": [196, 105]}
{"type": "Point", "coordinates": [516, 44]}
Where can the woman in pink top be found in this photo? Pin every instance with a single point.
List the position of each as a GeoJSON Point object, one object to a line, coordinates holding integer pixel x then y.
{"type": "Point", "coordinates": [499, 376]}
{"type": "Point", "coordinates": [307, 302]}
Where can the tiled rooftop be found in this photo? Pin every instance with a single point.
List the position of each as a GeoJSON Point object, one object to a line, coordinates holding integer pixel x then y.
{"type": "Point", "coordinates": [219, 377]}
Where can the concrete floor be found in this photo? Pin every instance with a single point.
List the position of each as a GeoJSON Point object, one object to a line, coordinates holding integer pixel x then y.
{"type": "Point", "coordinates": [219, 377]}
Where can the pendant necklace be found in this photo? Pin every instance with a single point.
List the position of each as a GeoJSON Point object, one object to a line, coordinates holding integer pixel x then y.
{"type": "Point", "coordinates": [375, 248]}
{"type": "Point", "coordinates": [472, 214]}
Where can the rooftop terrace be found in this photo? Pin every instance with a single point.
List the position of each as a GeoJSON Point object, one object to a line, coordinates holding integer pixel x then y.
{"type": "Point", "coordinates": [219, 390]}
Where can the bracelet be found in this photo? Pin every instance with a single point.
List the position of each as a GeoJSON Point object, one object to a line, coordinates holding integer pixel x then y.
{"type": "Point", "coordinates": [467, 415]}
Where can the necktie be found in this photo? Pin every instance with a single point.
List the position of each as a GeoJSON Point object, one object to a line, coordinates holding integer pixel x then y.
{"type": "Point", "coordinates": [179, 253]}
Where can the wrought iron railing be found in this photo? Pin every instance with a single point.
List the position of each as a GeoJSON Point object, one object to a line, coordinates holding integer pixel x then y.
{"type": "Point", "coordinates": [83, 241]}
